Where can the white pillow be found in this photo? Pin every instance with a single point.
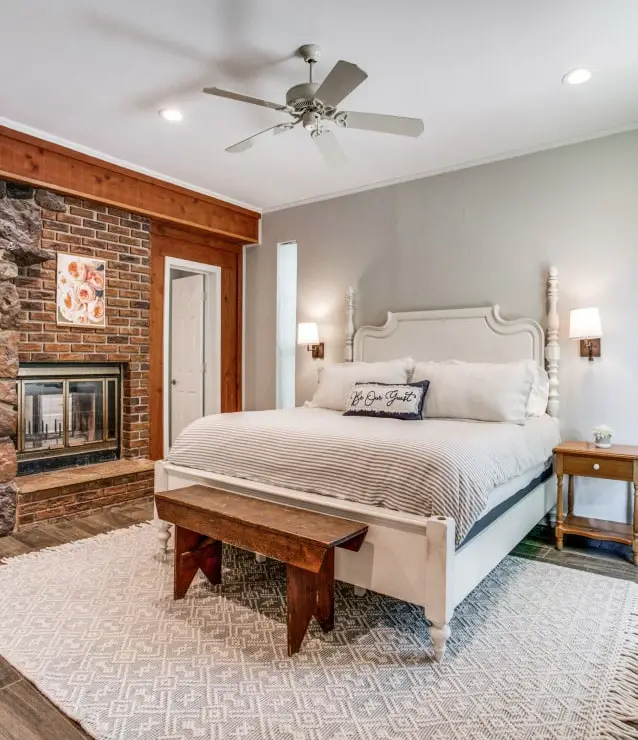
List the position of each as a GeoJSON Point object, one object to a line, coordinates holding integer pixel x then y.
{"type": "Point", "coordinates": [539, 395]}
{"type": "Point", "coordinates": [485, 391]}
{"type": "Point", "coordinates": [336, 381]}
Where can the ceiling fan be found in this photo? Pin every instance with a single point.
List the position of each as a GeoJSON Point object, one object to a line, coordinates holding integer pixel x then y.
{"type": "Point", "coordinates": [315, 105]}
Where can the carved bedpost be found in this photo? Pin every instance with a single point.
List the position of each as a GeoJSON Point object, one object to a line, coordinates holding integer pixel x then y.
{"type": "Point", "coordinates": [439, 580]}
{"type": "Point", "coordinates": [163, 528]}
{"type": "Point", "coordinates": [552, 350]}
{"type": "Point", "coordinates": [349, 353]}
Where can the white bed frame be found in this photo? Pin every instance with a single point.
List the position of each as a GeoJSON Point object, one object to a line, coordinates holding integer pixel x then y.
{"type": "Point", "coordinates": [409, 557]}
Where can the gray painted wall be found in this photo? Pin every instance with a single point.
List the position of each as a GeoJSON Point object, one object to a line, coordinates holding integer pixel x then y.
{"type": "Point", "coordinates": [473, 237]}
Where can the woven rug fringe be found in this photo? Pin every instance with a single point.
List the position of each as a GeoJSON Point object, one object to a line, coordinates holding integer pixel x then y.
{"type": "Point", "coordinates": [620, 718]}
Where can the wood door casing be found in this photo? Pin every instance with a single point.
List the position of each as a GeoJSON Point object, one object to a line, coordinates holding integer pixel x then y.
{"type": "Point", "coordinates": [172, 241]}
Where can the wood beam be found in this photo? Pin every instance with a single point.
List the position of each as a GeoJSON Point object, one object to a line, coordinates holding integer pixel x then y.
{"type": "Point", "coordinates": [37, 162]}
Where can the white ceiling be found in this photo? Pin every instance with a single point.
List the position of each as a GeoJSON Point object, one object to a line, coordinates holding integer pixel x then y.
{"type": "Point", "coordinates": [484, 75]}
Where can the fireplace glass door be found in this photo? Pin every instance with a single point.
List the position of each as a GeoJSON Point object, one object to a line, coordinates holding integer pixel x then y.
{"type": "Point", "coordinates": [42, 415]}
{"type": "Point", "coordinates": [84, 417]}
{"type": "Point", "coordinates": [62, 416]}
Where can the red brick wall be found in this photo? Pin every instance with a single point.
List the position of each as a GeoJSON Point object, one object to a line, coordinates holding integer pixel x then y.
{"type": "Point", "coordinates": [122, 239]}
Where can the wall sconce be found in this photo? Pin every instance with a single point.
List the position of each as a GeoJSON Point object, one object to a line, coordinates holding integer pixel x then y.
{"type": "Point", "coordinates": [307, 333]}
{"type": "Point", "coordinates": [584, 325]}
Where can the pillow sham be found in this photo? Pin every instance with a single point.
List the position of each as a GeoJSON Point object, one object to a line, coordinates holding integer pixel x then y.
{"type": "Point", "coordinates": [482, 391]}
{"type": "Point", "coordinates": [539, 395]}
{"type": "Point", "coordinates": [388, 400]}
{"type": "Point", "coordinates": [336, 381]}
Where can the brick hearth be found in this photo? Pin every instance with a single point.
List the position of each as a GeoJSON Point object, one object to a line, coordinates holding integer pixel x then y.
{"type": "Point", "coordinates": [64, 494]}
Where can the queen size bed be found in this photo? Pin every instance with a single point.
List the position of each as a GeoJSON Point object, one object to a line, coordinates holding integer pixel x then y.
{"type": "Point", "coordinates": [445, 499]}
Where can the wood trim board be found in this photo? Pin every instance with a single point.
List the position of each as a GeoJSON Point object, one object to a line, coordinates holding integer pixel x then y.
{"type": "Point", "coordinates": [28, 159]}
{"type": "Point", "coordinates": [196, 247]}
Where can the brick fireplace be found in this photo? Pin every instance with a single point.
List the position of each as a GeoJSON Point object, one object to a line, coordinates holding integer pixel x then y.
{"type": "Point", "coordinates": [34, 226]}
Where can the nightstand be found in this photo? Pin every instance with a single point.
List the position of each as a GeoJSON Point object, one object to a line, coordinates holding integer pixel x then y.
{"type": "Point", "coordinates": [618, 462]}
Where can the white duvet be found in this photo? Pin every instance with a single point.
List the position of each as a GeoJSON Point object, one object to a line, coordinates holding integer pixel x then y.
{"type": "Point", "coordinates": [429, 467]}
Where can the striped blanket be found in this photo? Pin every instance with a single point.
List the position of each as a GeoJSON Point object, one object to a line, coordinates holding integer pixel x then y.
{"type": "Point", "coordinates": [430, 467]}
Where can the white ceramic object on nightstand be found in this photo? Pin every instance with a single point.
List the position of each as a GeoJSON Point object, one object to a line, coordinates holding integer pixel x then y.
{"type": "Point", "coordinates": [602, 436]}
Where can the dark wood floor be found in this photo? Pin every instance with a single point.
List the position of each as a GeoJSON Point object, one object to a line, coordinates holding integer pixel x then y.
{"type": "Point", "coordinates": [595, 556]}
{"type": "Point", "coordinates": [25, 714]}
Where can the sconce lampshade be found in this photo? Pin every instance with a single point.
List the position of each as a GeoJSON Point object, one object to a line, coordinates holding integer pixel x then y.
{"type": "Point", "coordinates": [584, 323]}
{"type": "Point", "coordinates": [307, 333]}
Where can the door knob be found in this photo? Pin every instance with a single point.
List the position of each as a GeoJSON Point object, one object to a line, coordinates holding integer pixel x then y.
{"type": "Point", "coordinates": [173, 382]}
{"type": "Point", "coordinates": [596, 466]}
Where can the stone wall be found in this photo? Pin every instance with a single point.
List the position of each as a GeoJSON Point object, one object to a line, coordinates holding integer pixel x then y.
{"type": "Point", "coordinates": [34, 225]}
{"type": "Point", "coordinates": [20, 232]}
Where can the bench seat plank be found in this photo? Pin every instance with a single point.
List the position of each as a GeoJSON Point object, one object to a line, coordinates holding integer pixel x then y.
{"type": "Point", "coordinates": [282, 532]}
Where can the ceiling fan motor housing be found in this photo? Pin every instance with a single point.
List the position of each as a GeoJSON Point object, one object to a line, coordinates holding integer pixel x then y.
{"type": "Point", "coordinates": [300, 97]}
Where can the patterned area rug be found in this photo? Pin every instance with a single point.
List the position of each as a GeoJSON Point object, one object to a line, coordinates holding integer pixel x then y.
{"type": "Point", "coordinates": [537, 651]}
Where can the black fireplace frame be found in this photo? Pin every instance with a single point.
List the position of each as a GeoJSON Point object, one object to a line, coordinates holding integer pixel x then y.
{"type": "Point", "coordinates": [52, 458]}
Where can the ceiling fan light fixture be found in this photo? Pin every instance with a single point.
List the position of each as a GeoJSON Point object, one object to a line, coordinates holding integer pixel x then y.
{"type": "Point", "coordinates": [577, 76]}
{"type": "Point", "coordinates": [171, 114]}
{"type": "Point", "coordinates": [311, 120]}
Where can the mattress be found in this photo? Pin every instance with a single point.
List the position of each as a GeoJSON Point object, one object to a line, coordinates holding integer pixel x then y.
{"type": "Point", "coordinates": [503, 493]}
{"type": "Point", "coordinates": [429, 467]}
{"type": "Point", "coordinates": [501, 499]}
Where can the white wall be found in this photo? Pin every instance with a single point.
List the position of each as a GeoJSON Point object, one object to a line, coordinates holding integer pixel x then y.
{"type": "Point", "coordinates": [474, 237]}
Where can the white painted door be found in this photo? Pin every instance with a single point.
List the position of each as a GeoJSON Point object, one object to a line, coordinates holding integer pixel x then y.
{"type": "Point", "coordinates": [187, 352]}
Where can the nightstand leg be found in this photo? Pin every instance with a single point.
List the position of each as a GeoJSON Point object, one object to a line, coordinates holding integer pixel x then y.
{"type": "Point", "coordinates": [559, 511]}
{"type": "Point", "coordinates": [570, 495]}
{"type": "Point", "coordinates": [635, 523]}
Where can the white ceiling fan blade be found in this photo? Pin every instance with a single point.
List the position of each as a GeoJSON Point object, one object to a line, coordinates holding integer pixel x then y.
{"type": "Point", "coordinates": [244, 98]}
{"type": "Point", "coordinates": [342, 79]}
{"type": "Point", "coordinates": [398, 125]}
{"type": "Point", "coordinates": [330, 148]}
{"type": "Point", "coordinates": [242, 146]}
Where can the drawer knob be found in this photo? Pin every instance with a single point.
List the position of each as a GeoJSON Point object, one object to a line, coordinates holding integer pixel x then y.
{"type": "Point", "coordinates": [596, 466]}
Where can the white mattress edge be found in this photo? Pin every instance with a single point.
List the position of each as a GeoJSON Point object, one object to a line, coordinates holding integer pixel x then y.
{"type": "Point", "coordinates": [506, 490]}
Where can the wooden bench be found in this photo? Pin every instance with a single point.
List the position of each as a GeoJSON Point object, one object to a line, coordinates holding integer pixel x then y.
{"type": "Point", "coordinates": [305, 540]}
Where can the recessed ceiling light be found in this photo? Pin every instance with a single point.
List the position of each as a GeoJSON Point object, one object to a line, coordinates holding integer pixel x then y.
{"type": "Point", "coordinates": [577, 76]}
{"type": "Point", "coordinates": [171, 114]}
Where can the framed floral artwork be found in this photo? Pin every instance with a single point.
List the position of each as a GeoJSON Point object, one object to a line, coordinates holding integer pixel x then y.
{"type": "Point", "coordinates": [81, 295]}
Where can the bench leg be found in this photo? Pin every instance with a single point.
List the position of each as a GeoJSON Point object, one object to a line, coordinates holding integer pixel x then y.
{"type": "Point", "coordinates": [210, 561]}
{"type": "Point", "coordinates": [309, 594]}
{"type": "Point", "coordinates": [326, 593]}
{"type": "Point", "coordinates": [302, 603]}
{"type": "Point", "coordinates": [193, 552]}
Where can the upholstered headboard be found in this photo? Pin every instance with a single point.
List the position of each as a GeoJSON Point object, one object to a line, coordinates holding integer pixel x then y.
{"type": "Point", "coordinates": [470, 334]}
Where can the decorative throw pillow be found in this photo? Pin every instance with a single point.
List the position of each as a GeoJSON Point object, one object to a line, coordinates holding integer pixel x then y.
{"type": "Point", "coordinates": [336, 381]}
{"type": "Point", "coordinates": [389, 400]}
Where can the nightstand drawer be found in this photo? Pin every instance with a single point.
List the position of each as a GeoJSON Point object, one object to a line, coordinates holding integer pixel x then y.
{"type": "Point", "coordinates": [598, 467]}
